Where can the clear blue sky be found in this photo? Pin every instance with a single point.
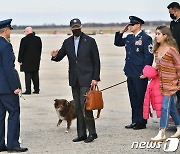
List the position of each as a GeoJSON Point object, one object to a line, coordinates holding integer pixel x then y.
{"type": "Point", "coordinates": [38, 12]}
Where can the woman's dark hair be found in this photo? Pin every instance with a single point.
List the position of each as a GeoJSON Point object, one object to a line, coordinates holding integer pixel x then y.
{"type": "Point", "coordinates": [169, 39]}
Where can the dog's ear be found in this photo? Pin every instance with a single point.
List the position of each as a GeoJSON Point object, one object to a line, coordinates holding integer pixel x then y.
{"type": "Point", "coordinates": [55, 100]}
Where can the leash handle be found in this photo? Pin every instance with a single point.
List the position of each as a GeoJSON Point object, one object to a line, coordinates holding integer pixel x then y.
{"type": "Point", "coordinates": [113, 85]}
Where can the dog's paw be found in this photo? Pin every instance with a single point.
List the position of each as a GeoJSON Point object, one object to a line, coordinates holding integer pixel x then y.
{"type": "Point", "coordinates": [67, 131]}
{"type": "Point", "coordinates": [57, 124]}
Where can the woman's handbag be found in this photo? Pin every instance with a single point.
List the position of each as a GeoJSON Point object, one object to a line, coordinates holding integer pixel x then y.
{"type": "Point", "coordinates": [94, 100]}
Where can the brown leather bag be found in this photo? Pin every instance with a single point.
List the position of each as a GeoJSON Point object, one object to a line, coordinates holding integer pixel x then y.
{"type": "Point", "coordinates": [94, 100]}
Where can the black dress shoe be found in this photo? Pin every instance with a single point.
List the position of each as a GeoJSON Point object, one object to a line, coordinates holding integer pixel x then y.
{"type": "Point", "coordinates": [26, 93]}
{"type": "Point", "coordinates": [3, 149]}
{"type": "Point", "coordinates": [19, 149]}
{"type": "Point", "coordinates": [130, 126]}
{"type": "Point", "coordinates": [90, 138]}
{"type": "Point", "coordinates": [139, 126]}
{"type": "Point", "coordinates": [95, 136]}
{"type": "Point", "coordinates": [35, 92]}
{"type": "Point", "coordinates": [77, 139]}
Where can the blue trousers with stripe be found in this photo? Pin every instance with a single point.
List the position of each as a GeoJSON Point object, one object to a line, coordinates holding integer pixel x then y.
{"type": "Point", "coordinates": [137, 88]}
{"type": "Point", "coordinates": [9, 103]}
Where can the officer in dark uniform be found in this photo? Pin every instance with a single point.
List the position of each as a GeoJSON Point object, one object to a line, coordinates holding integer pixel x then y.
{"type": "Point", "coordinates": [9, 89]}
{"type": "Point", "coordinates": [138, 54]}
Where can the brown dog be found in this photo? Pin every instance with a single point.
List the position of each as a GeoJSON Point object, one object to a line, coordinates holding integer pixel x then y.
{"type": "Point", "coordinates": [65, 111]}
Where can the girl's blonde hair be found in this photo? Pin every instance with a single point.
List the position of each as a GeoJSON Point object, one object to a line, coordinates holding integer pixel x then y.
{"type": "Point", "coordinates": [169, 39]}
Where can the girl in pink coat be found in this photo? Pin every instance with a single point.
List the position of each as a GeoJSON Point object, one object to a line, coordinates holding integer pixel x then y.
{"type": "Point", "coordinates": [153, 95]}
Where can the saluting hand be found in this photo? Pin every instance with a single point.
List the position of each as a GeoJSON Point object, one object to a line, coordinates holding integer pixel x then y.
{"type": "Point", "coordinates": [54, 53]}
{"type": "Point", "coordinates": [125, 28]}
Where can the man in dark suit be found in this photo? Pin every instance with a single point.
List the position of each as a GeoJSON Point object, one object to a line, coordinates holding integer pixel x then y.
{"type": "Point", "coordinates": [174, 11]}
{"type": "Point", "coordinates": [9, 90]}
{"type": "Point", "coordinates": [29, 58]}
{"type": "Point", "coordinates": [84, 71]}
{"type": "Point", "coordinates": [138, 54]}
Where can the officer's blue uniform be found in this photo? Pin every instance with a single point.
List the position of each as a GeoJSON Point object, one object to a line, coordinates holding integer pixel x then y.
{"type": "Point", "coordinates": [138, 54]}
{"type": "Point", "coordinates": [8, 100]}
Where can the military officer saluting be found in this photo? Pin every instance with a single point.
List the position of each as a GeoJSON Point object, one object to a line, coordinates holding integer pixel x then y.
{"type": "Point", "coordinates": [138, 54]}
{"type": "Point", "coordinates": [9, 89]}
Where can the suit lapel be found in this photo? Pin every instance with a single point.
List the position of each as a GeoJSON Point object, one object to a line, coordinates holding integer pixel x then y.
{"type": "Point", "coordinates": [72, 47]}
{"type": "Point", "coordinates": [81, 44]}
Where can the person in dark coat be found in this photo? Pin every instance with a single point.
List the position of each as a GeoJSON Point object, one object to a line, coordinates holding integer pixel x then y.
{"type": "Point", "coordinates": [84, 71]}
{"type": "Point", "coordinates": [9, 90]}
{"type": "Point", "coordinates": [138, 54]}
{"type": "Point", "coordinates": [29, 58]}
{"type": "Point", "coordinates": [174, 11]}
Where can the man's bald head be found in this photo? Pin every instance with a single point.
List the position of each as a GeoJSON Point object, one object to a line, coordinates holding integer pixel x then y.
{"type": "Point", "coordinates": [28, 30]}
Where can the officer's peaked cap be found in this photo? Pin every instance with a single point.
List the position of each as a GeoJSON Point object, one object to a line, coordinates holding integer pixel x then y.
{"type": "Point", "coordinates": [75, 22]}
{"type": "Point", "coordinates": [135, 20]}
{"type": "Point", "coordinates": [5, 23]}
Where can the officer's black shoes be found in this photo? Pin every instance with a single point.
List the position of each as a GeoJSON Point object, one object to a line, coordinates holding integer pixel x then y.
{"type": "Point", "coordinates": [3, 149]}
{"type": "Point", "coordinates": [29, 93]}
{"type": "Point", "coordinates": [136, 126]}
{"type": "Point", "coordinates": [77, 139]}
{"type": "Point", "coordinates": [95, 136]}
{"type": "Point", "coordinates": [35, 92]}
{"type": "Point", "coordinates": [26, 93]}
{"type": "Point", "coordinates": [139, 126]}
{"type": "Point", "coordinates": [130, 126]}
{"type": "Point", "coordinates": [18, 149]}
{"type": "Point", "coordinates": [90, 138]}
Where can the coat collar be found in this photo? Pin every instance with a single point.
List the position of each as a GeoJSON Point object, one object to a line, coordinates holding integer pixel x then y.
{"type": "Point", "coordinates": [177, 20]}
{"type": "Point", "coordinates": [138, 33]}
{"type": "Point", "coordinates": [5, 39]}
{"type": "Point", "coordinates": [31, 34]}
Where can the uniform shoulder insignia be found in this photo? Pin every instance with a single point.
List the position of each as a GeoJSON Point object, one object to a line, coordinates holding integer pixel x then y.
{"type": "Point", "coordinates": [150, 48]}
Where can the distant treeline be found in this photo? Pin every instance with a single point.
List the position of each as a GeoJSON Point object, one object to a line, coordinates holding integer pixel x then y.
{"type": "Point", "coordinates": [147, 23]}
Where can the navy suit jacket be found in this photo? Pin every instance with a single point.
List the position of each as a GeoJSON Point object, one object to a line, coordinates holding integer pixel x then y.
{"type": "Point", "coordinates": [175, 29]}
{"type": "Point", "coordinates": [86, 66]}
{"type": "Point", "coordinates": [138, 52]}
{"type": "Point", "coordinates": [8, 78]}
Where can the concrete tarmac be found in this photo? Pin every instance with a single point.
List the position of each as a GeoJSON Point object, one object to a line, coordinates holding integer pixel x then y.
{"type": "Point", "coordinates": [39, 132]}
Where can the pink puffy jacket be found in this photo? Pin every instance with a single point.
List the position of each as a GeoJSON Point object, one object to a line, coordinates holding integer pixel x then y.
{"type": "Point", "coordinates": [153, 94]}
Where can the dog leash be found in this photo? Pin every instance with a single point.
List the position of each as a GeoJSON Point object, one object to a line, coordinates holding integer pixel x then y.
{"type": "Point", "coordinates": [21, 96]}
{"type": "Point", "coordinates": [113, 85]}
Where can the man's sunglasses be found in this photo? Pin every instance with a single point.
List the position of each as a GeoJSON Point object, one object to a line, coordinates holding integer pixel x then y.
{"type": "Point", "coordinates": [132, 24]}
